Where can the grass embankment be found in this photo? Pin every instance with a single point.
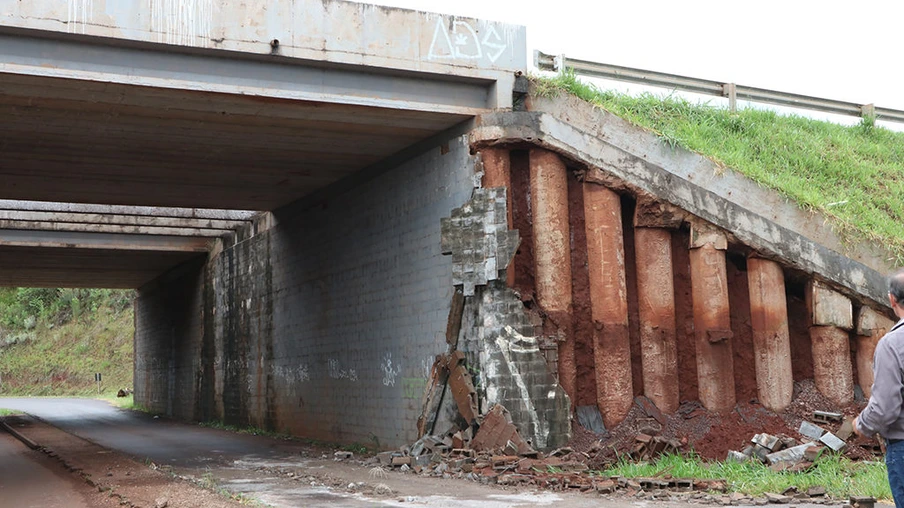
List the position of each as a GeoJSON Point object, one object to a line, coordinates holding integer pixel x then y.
{"type": "Point", "coordinates": [852, 174]}
{"type": "Point", "coordinates": [53, 341]}
{"type": "Point", "coordinates": [840, 476]}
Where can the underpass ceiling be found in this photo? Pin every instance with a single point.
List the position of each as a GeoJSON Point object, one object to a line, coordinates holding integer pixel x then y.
{"type": "Point", "coordinates": [89, 142]}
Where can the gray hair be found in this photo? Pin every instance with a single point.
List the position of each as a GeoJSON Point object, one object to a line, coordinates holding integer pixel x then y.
{"type": "Point", "coordinates": [896, 286]}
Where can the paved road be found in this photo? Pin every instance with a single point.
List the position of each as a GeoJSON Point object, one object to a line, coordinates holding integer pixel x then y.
{"type": "Point", "coordinates": [27, 480]}
{"type": "Point", "coordinates": [258, 466]}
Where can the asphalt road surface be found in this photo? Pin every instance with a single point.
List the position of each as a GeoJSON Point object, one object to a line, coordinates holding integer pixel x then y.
{"type": "Point", "coordinates": [28, 479]}
{"type": "Point", "coordinates": [279, 473]}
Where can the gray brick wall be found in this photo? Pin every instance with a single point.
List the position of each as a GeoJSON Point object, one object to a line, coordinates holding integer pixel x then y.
{"type": "Point", "coordinates": [325, 325]}
{"type": "Point", "coordinates": [168, 331]}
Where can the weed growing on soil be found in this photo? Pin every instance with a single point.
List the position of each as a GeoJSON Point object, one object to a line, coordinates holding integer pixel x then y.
{"type": "Point", "coordinates": [852, 174]}
{"type": "Point", "coordinates": [840, 476]}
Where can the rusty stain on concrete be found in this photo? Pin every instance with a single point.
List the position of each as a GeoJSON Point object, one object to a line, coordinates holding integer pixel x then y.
{"type": "Point", "coordinates": [656, 299]}
{"type": "Point", "coordinates": [608, 302]}
{"type": "Point", "coordinates": [712, 324]}
{"type": "Point", "coordinates": [871, 326]}
{"type": "Point", "coordinates": [832, 368]}
{"type": "Point", "coordinates": [771, 338]}
{"type": "Point", "coordinates": [552, 245]}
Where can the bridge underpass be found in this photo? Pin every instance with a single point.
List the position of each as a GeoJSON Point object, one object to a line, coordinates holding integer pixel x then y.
{"type": "Point", "coordinates": [363, 151]}
{"type": "Point", "coordinates": [273, 190]}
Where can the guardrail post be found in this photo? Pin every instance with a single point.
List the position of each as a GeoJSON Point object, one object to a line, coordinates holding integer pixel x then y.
{"type": "Point", "coordinates": [730, 90]}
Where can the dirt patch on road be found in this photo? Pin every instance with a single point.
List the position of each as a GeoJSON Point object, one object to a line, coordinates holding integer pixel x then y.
{"type": "Point", "coordinates": [116, 477]}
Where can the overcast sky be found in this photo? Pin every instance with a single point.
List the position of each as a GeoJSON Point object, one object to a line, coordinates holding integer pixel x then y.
{"type": "Point", "coordinates": [850, 51]}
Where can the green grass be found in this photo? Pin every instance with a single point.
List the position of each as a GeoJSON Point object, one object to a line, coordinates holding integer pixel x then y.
{"type": "Point", "coordinates": [56, 353]}
{"type": "Point", "coordinates": [852, 174]}
{"type": "Point", "coordinates": [840, 476]}
{"type": "Point", "coordinates": [9, 412]}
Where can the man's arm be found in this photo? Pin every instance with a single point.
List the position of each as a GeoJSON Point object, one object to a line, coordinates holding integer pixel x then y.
{"type": "Point", "coordinates": [884, 406]}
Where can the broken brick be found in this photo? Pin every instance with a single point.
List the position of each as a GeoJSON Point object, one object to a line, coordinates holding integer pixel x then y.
{"type": "Point", "coordinates": [497, 431]}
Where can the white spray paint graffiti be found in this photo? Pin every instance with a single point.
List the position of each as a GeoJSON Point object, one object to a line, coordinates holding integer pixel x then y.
{"type": "Point", "coordinates": [182, 21]}
{"type": "Point", "coordinates": [390, 373]}
{"type": "Point", "coordinates": [337, 372]}
{"type": "Point", "coordinates": [79, 15]}
{"type": "Point", "coordinates": [462, 42]}
{"type": "Point", "coordinates": [299, 374]}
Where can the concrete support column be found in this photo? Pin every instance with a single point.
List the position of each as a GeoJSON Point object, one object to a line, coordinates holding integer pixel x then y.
{"type": "Point", "coordinates": [608, 303]}
{"type": "Point", "coordinates": [552, 252]}
{"type": "Point", "coordinates": [712, 320]}
{"type": "Point", "coordinates": [771, 339]}
{"type": "Point", "coordinates": [871, 326]}
{"type": "Point", "coordinates": [497, 172]}
{"type": "Point", "coordinates": [831, 318]}
{"type": "Point", "coordinates": [656, 298]}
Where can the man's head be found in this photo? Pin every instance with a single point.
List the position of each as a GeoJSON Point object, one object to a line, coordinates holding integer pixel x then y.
{"type": "Point", "coordinates": [896, 292]}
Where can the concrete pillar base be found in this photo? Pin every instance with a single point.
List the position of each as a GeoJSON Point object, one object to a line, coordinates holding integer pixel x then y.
{"type": "Point", "coordinates": [656, 298]}
{"type": "Point", "coordinates": [712, 324]}
{"type": "Point", "coordinates": [608, 302]}
{"type": "Point", "coordinates": [832, 368]}
{"type": "Point", "coordinates": [771, 338]}
{"type": "Point", "coordinates": [552, 253]}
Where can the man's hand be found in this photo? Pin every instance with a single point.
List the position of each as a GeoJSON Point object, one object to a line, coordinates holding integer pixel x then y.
{"type": "Point", "coordinates": [857, 428]}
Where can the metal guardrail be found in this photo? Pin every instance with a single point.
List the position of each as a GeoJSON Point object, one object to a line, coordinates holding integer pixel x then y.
{"type": "Point", "coordinates": [559, 63]}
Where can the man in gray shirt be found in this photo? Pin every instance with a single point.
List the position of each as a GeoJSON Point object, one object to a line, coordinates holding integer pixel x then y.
{"type": "Point", "coordinates": [884, 415]}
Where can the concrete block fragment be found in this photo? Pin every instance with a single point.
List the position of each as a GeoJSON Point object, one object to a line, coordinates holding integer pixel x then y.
{"type": "Point", "coordinates": [816, 491]}
{"type": "Point", "coordinates": [832, 441]}
{"type": "Point", "coordinates": [767, 441]}
{"type": "Point", "coordinates": [810, 430]}
{"type": "Point", "coordinates": [734, 456]}
{"type": "Point", "coordinates": [828, 307]}
{"type": "Point", "coordinates": [795, 454]}
{"type": "Point", "coordinates": [846, 431]}
{"type": "Point", "coordinates": [826, 417]}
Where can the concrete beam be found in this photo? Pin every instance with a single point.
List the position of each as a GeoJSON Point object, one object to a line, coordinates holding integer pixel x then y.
{"type": "Point", "coordinates": [73, 240]}
{"type": "Point", "coordinates": [53, 55]}
{"type": "Point", "coordinates": [331, 31]}
{"type": "Point", "coordinates": [120, 220]}
{"type": "Point", "coordinates": [12, 205]}
{"type": "Point", "coordinates": [621, 155]}
{"type": "Point", "coordinates": [119, 229]}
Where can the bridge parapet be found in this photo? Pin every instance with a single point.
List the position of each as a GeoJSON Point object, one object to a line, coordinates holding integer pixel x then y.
{"type": "Point", "coordinates": [330, 31]}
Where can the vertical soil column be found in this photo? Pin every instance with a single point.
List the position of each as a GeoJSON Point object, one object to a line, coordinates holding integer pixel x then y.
{"type": "Point", "coordinates": [497, 172]}
{"type": "Point", "coordinates": [771, 338]}
{"type": "Point", "coordinates": [712, 321]}
{"type": "Point", "coordinates": [552, 253]}
{"type": "Point", "coordinates": [831, 316]}
{"type": "Point", "coordinates": [608, 303]}
{"type": "Point", "coordinates": [871, 326]}
{"type": "Point", "coordinates": [656, 298]}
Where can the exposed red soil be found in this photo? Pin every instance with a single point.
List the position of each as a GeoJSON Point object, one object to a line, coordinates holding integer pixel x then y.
{"type": "Point", "coordinates": [524, 257]}
{"type": "Point", "coordinates": [798, 328]}
{"type": "Point", "coordinates": [742, 340]}
{"type": "Point", "coordinates": [627, 205]}
{"type": "Point", "coordinates": [684, 316]}
{"type": "Point", "coordinates": [583, 322]}
{"type": "Point", "coordinates": [712, 435]}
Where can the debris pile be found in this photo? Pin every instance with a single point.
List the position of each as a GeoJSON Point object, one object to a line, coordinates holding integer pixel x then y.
{"type": "Point", "coordinates": [783, 453]}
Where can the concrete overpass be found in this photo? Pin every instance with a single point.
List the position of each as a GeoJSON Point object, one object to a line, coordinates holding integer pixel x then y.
{"type": "Point", "coordinates": [283, 181]}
